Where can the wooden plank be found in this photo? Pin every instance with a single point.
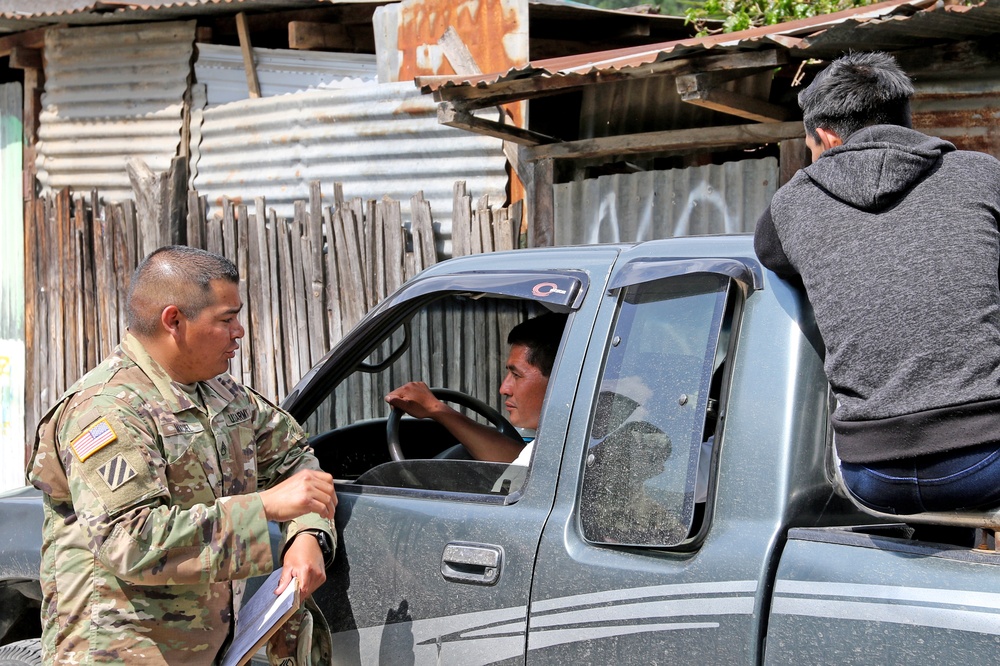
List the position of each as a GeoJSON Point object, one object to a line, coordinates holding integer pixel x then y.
{"type": "Point", "coordinates": [794, 155]}
{"type": "Point", "coordinates": [175, 213]}
{"type": "Point", "coordinates": [63, 307]}
{"type": "Point", "coordinates": [90, 318]}
{"type": "Point", "coordinates": [259, 285]}
{"type": "Point", "coordinates": [299, 279]}
{"type": "Point", "coordinates": [243, 263]}
{"type": "Point", "coordinates": [457, 53]}
{"type": "Point", "coordinates": [351, 295]}
{"type": "Point", "coordinates": [449, 114]}
{"type": "Point", "coordinates": [315, 282]}
{"type": "Point", "coordinates": [541, 209]}
{"type": "Point", "coordinates": [422, 230]}
{"type": "Point", "coordinates": [213, 232]}
{"type": "Point", "coordinates": [286, 297]}
{"type": "Point", "coordinates": [364, 224]}
{"type": "Point", "coordinates": [311, 36]}
{"type": "Point", "coordinates": [32, 260]}
{"type": "Point", "coordinates": [334, 312]}
{"type": "Point", "coordinates": [503, 234]}
{"type": "Point", "coordinates": [395, 244]}
{"type": "Point", "coordinates": [103, 282]}
{"type": "Point", "coordinates": [32, 39]}
{"type": "Point", "coordinates": [502, 92]}
{"type": "Point", "coordinates": [230, 251]}
{"type": "Point", "coordinates": [23, 57]}
{"type": "Point", "coordinates": [461, 220]}
{"type": "Point", "coordinates": [278, 333]}
{"type": "Point", "coordinates": [196, 211]}
{"type": "Point", "coordinates": [484, 225]}
{"type": "Point", "coordinates": [699, 139]}
{"type": "Point", "coordinates": [376, 214]}
{"type": "Point", "coordinates": [705, 90]}
{"type": "Point", "coordinates": [249, 65]}
{"type": "Point", "coordinates": [125, 249]}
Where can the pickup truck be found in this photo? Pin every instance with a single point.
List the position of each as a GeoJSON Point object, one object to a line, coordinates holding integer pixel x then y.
{"type": "Point", "coordinates": [682, 502]}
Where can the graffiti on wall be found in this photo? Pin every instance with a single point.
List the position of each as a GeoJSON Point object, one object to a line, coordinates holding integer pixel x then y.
{"type": "Point", "coordinates": [11, 413]}
{"type": "Point", "coordinates": [624, 208]}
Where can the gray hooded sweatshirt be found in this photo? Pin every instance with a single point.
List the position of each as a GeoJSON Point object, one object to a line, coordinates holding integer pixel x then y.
{"type": "Point", "coordinates": [895, 237]}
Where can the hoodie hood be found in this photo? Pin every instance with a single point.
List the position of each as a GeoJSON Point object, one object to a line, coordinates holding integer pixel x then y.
{"type": "Point", "coordinates": [877, 165]}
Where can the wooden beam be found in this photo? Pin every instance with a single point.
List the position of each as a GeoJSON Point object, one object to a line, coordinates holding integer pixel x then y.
{"type": "Point", "coordinates": [458, 53]}
{"type": "Point", "coordinates": [253, 84]}
{"type": "Point", "coordinates": [704, 91]}
{"type": "Point", "coordinates": [22, 57]}
{"type": "Point", "coordinates": [681, 141]}
{"type": "Point", "coordinates": [449, 115]}
{"type": "Point", "coordinates": [306, 35]}
{"type": "Point", "coordinates": [32, 39]}
{"type": "Point", "coordinates": [501, 92]}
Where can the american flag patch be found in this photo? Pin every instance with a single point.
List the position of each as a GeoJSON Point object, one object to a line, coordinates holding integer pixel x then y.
{"type": "Point", "coordinates": [93, 439]}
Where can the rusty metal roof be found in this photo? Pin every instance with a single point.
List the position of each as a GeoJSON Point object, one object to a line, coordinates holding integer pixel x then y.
{"type": "Point", "coordinates": [21, 15]}
{"type": "Point", "coordinates": [892, 25]}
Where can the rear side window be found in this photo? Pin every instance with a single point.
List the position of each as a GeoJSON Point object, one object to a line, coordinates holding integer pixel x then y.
{"type": "Point", "coordinates": [649, 433]}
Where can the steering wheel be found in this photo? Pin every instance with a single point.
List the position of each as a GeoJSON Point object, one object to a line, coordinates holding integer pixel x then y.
{"type": "Point", "coordinates": [503, 426]}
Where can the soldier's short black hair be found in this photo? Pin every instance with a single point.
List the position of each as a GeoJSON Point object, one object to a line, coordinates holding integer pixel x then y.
{"type": "Point", "coordinates": [541, 335]}
{"type": "Point", "coordinates": [174, 275]}
{"type": "Point", "coordinates": [856, 91]}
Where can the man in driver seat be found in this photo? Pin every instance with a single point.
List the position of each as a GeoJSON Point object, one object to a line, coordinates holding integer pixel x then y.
{"type": "Point", "coordinates": [533, 345]}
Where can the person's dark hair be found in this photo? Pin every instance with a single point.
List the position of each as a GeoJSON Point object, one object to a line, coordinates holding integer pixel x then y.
{"type": "Point", "coordinates": [856, 91]}
{"type": "Point", "coordinates": [541, 335]}
{"type": "Point", "coordinates": [174, 275]}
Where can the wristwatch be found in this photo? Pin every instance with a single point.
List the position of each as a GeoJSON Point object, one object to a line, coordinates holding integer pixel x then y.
{"type": "Point", "coordinates": [325, 544]}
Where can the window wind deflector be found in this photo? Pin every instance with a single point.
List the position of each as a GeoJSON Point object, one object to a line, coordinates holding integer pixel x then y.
{"type": "Point", "coordinates": [560, 290]}
{"type": "Point", "coordinates": [745, 271]}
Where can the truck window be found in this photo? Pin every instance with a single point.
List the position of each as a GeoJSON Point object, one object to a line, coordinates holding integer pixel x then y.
{"type": "Point", "coordinates": [648, 432]}
{"type": "Point", "coordinates": [458, 342]}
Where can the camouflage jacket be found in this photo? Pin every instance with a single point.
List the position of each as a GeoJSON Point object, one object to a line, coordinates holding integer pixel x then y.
{"type": "Point", "coordinates": [152, 516]}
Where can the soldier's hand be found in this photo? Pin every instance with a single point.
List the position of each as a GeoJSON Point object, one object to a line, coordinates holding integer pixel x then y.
{"type": "Point", "coordinates": [307, 491]}
{"type": "Point", "coordinates": [303, 560]}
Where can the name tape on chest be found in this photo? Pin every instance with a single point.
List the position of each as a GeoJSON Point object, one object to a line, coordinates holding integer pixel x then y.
{"type": "Point", "coordinates": [93, 439]}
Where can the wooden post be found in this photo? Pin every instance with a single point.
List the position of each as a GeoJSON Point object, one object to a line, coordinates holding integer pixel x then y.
{"type": "Point", "coordinates": [243, 30]}
{"type": "Point", "coordinates": [541, 209]}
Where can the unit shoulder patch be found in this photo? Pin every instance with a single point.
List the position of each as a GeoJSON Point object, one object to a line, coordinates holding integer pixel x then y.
{"type": "Point", "coordinates": [116, 472]}
{"type": "Point", "coordinates": [93, 439]}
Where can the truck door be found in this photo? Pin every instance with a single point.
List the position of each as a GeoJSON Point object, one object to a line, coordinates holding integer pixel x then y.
{"type": "Point", "coordinates": [631, 567]}
{"type": "Point", "coordinates": [436, 553]}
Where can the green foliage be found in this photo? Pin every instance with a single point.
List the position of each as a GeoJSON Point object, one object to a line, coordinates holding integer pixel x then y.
{"type": "Point", "coordinates": [744, 14]}
{"type": "Point", "coordinates": [665, 7]}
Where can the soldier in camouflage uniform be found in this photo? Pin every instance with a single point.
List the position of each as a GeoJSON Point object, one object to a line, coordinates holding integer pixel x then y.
{"type": "Point", "coordinates": [160, 473]}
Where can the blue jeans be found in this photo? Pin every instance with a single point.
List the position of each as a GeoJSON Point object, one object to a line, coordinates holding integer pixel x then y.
{"type": "Point", "coordinates": [960, 479]}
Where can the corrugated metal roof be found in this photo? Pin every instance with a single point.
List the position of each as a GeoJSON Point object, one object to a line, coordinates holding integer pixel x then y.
{"type": "Point", "coordinates": [712, 199]}
{"type": "Point", "coordinates": [279, 71]}
{"type": "Point", "coordinates": [787, 35]}
{"type": "Point", "coordinates": [377, 140]}
{"type": "Point", "coordinates": [112, 93]}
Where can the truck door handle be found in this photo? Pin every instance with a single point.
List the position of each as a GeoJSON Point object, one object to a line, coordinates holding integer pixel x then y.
{"type": "Point", "coordinates": [475, 563]}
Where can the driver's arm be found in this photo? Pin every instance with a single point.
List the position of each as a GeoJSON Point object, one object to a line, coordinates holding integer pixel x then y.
{"type": "Point", "coordinates": [483, 442]}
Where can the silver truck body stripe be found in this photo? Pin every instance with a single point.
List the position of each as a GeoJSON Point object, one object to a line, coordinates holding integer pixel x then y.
{"type": "Point", "coordinates": [932, 607]}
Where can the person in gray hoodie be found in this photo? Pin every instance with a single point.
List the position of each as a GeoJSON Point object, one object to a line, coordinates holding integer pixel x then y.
{"type": "Point", "coordinates": [894, 236]}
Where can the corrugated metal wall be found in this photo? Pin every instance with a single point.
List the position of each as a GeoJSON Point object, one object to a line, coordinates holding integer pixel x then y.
{"type": "Point", "coordinates": [377, 140]}
{"type": "Point", "coordinates": [964, 112]}
{"type": "Point", "coordinates": [279, 71]}
{"type": "Point", "coordinates": [713, 199]}
{"type": "Point", "coordinates": [112, 93]}
{"type": "Point", "coordinates": [11, 289]}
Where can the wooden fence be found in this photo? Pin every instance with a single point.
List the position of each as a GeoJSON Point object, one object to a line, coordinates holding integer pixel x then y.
{"type": "Point", "coordinates": [305, 281]}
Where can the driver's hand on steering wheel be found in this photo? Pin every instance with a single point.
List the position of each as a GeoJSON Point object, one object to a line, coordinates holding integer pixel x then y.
{"type": "Point", "coordinates": [416, 400]}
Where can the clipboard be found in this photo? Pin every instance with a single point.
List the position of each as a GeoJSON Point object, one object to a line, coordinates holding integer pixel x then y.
{"type": "Point", "coordinates": [261, 616]}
